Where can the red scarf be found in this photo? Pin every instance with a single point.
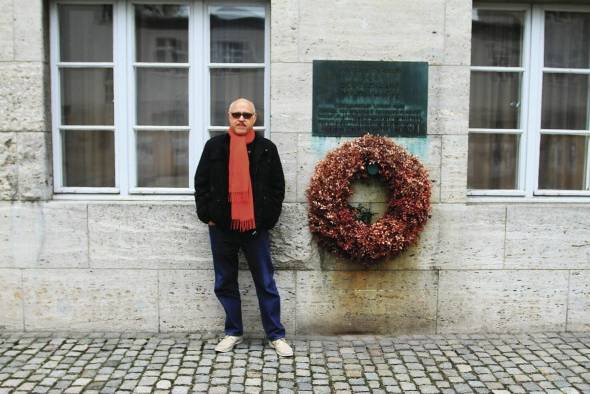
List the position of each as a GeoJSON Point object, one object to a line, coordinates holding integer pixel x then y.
{"type": "Point", "coordinates": [240, 184]}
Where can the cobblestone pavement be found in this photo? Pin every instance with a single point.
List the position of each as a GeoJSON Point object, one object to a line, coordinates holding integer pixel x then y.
{"type": "Point", "coordinates": [187, 363]}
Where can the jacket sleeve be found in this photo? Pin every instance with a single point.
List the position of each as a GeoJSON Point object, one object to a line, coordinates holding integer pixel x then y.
{"type": "Point", "coordinates": [202, 186]}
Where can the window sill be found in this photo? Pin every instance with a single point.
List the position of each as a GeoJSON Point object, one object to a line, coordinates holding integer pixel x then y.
{"type": "Point", "coordinates": [478, 199]}
{"type": "Point", "coordinates": [116, 197]}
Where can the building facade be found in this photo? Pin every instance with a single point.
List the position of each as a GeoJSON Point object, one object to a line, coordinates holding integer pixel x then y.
{"type": "Point", "coordinates": [106, 105]}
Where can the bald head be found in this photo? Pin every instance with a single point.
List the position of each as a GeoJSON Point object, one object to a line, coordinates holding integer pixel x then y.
{"type": "Point", "coordinates": [242, 101]}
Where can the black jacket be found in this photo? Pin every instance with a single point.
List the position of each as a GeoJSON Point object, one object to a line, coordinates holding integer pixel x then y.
{"type": "Point", "coordinates": [211, 182]}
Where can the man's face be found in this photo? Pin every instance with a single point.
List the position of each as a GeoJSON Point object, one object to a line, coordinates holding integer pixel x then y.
{"type": "Point", "coordinates": [240, 124]}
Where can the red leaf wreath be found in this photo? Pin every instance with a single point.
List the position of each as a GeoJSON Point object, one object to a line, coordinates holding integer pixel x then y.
{"type": "Point", "coordinates": [334, 222]}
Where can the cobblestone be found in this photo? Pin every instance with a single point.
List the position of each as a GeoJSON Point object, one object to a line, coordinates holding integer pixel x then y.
{"type": "Point", "coordinates": [105, 363]}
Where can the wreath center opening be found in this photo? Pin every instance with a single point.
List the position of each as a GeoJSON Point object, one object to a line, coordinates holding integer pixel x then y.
{"type": "Point", "coordinates": [369, 199]}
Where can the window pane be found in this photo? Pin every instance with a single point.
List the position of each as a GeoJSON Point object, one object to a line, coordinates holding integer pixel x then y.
{"type": "Point", "coordinates": [161, 33]}
{"type": "Point", "coordinates": [237, 34]}
{"type": "Point", "coordinates": [229, 84]}
{"type": "Point", "coordinates": [565, 102]}
{"type": "Point", "coordinates": [497, 38]}
{"type": "Point", "coordinates": [567, 35]}
{"type": "Point", "coordinates": [493, 161]}
{"type": "Point", "coordinates": [562, 162]}
{"type": "Point", "coordinates": [89, 158]}
{"type": "Point", "coordinates": [86, 33]}
{"type": "Point", "coordinates": [162, 159]}
{"type": "Point", "coordinates": [162, 97]}
{"type": "Point", "coordinates": [494, 100]}
{"type": "Point", "coordinates": [87, 96]}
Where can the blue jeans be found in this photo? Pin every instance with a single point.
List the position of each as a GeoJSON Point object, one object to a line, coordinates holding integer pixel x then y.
{"type": "Point", "coordinates": [225, 245]}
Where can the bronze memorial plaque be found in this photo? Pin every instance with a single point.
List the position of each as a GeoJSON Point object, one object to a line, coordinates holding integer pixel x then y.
{"type": "Point", "coordinates": [352, 98]}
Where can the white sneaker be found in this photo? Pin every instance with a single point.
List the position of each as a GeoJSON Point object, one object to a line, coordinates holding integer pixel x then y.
{"type": "Point", "coordinates": [282, 347]}
{"type": "Point", "coordinates": [227, 343]}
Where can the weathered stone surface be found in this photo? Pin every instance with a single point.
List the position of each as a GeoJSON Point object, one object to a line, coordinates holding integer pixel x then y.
{"type": "Point", "coordinates": [502, 301]}
{"type": "Point", "coordinates": [187, 301]}
{"type": "Point", "coordinates": [453, 182]}
{"type": "Point", "coordinates": [339, 302]}
{"type": "Point", "coordinates": [578, 316]}
{"type": "Point", "coordinates": [90, 300]}
{"type": "Point", "coordinates": [8, 166]}
{"type": "Point", "coordinates": [6, 30]}
{"type": "Point", "coordinates": [458, 32]}
{"type": "Point", "coordinates": [548, 237]}
{"type": "Point", "coordinates": [433, 164]}
{"type": "Point", "coordinates": [448, 99]}
{"type": "Point", "coordinates": [291, 97]}
{"type": "Point", "coordinates": [28, 30]}
{"type": "Point", "coordinates": [284, 30]}
{"type": "Point", "coordinates": [291, 240]}
{"type": "Point", "coordinates": [34, 181]}
{"type": "Point", "coordinates": [147, 235]}
{"type": "Point", "coordinates": [22, 99]}
{"type": "Point", "coordinates": [287, 146]}
{"type": "Point", "coordinates": [388, 30]}
{"type": "Point", "coordinates": [11, 300]}
{"type": "Point", "coordinates": [52, 235]}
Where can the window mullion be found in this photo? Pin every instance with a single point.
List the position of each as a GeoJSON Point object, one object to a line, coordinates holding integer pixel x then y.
{"type": "Point", "coordinates": [121, 95]}
{"type": "Point", "coordinates": [55, 98]}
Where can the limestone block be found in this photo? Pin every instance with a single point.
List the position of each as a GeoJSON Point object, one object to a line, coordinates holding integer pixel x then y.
{"type": "Point", "coordinates": [291, 240]}
{"type": "Point", "coordinates": [34, 182]}
{"type": "Point", "coordinates": [448, 99]}
{"type": "Point", "coordinates": [8, 166]}
{"type": "Point", "coordinates": [187, 302]}
{"type": "Point", "coordinates": [90, 300]}
{"type": "Point", "coordinates": [147, 235]}
{"type": "Point", "coordinates": [453, 182]}
{"type": "Point", "coordinates": [11, 300]}
{"type": "Point", "coordinates": [6, 30]}
{"type": "Point", "coordinates": [548, 237]}
{"type": "Point", "coordinates": [22, 105]}
{"type": "Point", "coordinates": [578, 316]}
{"type": "Point", "coordinates": [502, 301]}
{"type": "Point", "coordinates": [291, 97]}
{"type": "Point", "coordinates": [28, 30]}
{"type": "Point", "coordinates": [284, 30]}
{"type": "Point", "coordinates": [433, 164]}
{"type": "Point", "coordinates": [470, 237]}
{"type": "Point", "coordinates": [357, 302]}
{"type": "Point", "coordinates": [287, 146]}
{"type": "Point", "coordinates": [370, 30]}
{"type": "Point", "coordinates": [52, 235]}
{"type": "Point", "coordinates": [458, 32]}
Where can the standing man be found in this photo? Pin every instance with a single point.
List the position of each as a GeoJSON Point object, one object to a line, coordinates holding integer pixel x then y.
{"type": "Point", "coordinates": [239, 191]}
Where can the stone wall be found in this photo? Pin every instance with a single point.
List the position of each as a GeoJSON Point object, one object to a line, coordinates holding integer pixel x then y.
{"type": "Point", "coordinates": [144, 265]}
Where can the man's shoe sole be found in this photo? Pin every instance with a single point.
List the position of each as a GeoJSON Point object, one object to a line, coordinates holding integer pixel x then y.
{"type": "Point", "coordinates": [231, 348]}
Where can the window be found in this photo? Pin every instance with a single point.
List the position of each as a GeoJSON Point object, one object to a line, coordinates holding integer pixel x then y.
{"type": "Point", "coordinates": [139, 86]}
{"type": "Point", "coordinates": [529, 101]}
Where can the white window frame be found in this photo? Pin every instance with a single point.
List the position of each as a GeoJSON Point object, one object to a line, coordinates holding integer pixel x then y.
{"type": "Point", "coordinates": [124, 128]}
{"type": "Point", "coordinates": [531, 98]}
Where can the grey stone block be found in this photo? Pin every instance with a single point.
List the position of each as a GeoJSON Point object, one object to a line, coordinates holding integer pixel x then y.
{"type": "Point", "coordinates": [52, 235]}
{"type": "Point", "coordinates": [453, 177]}
{"type": "Point", "coordinates": [91, 300]}
{"type": "Point", "coordinates": [284, 30]}
{"type": "Point", "coordinates": [11, 300]}
{"type": "Point", "coordinates": [28, 31]}
{"type": "Point", "coordinates": [354, 302]}
{"type": "Point", "coordinates": [22, 97]}
{"type": "Point", "coordinates": [287, 146]}
{"type": "Point", "coordinates": [291, 240]}
{"type": "Point", "coordinates": [6, 30]}
{"type": "Point", "coordinates": [502, 301]}
{"type": "Point", "coordinates": [388, 30]}
{"type": "Point", "coordinates": [458, 32]}
{"type": "Point", "coordinates": [448, 99]}
{"type": "Point", "coordinates": [187, 301]}
{"type": "Point", "coordinates": [147, 235]}
{"type": "Point", "coordinates": [548, 237]}
{"type": "Point", "coordinates": [291, 97]}
{"type": "Point", "coordinates": [8, 166]}
{"type": "Point", "coordinates": [578, 316]}
{"type": "Point", "coordinates": [34, 179]}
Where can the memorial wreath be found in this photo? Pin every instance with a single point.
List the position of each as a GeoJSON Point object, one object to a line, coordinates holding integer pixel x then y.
{"type": "Point", "coordinates": [337, 224]}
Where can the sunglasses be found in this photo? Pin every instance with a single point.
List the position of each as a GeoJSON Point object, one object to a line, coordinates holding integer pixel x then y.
{"type": "Point", "coordinates": [238, 115]}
